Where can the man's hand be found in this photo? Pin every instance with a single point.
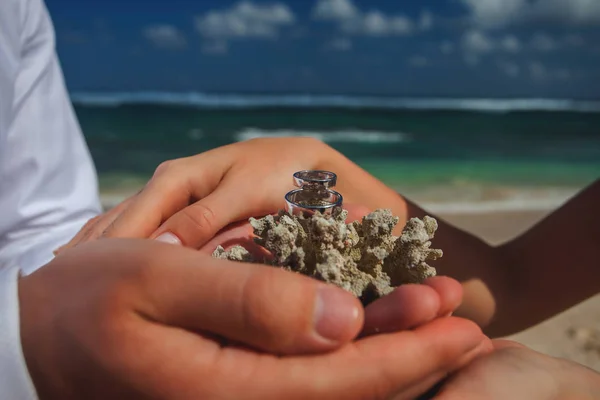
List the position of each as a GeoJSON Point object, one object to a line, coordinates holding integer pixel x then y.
{"type": "Point", "coordinates": [515, 372]}
{"type": "Point", "coordinates": [406, 307]}
{"type": "Point", "coordinates": [141, 319]}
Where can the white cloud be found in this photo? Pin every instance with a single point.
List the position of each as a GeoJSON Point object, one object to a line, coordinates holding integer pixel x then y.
{"type": "Point", "coordinates": [340, 44]}
{"type": "Point", "coordinates": [494, 13]}
{"type": "Point", "coordinates": [426, 21]}
{"type": "Point", "coordinates": [245, 20]}
{"type": "Point", "coordinates": [510, 68]}
{"type": "Point", "coordinates": [511, 44]}
{"type": "Point", "coordinates": [353, 21]}
{"type": "Point", "coordinates": [490, 14]}
{"type": "Point", "coordinates": [418, 61]}
{"type": "Point", "coordinates": [476, 42]}
{"type": "Point", "coordinates": [447, 47]}
{"type": "Point", "coordinates": [165, 36]}
{"type": "Point", "coordinates": [571, 12]}
{"type": "Point", "coordinates": [375, 23]}
{"type": "Point", "coordinates": [543, 42]}
{"type": "Point", "coordinates": [336, 10]}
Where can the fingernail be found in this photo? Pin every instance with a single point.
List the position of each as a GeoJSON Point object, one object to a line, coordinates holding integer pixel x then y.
{"type": "Point", "coordinates": [335, 313]}
{"type": "Point", "coordinates": [168, 237]}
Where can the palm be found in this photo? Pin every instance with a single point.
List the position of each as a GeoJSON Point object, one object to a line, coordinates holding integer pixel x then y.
{"type": "Point", "coordinates": [407, 307]}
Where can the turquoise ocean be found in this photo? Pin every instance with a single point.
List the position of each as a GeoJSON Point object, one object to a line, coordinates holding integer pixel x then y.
{"type": "Point", "coordinates": [455, 154]}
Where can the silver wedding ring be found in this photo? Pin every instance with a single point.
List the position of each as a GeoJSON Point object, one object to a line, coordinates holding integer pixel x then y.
{"type": "Point", "coordinates": [314, 193]}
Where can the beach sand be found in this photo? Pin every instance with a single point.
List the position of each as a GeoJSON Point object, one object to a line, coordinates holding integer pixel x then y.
{"type": "Point", "coordinates": [574, 334]}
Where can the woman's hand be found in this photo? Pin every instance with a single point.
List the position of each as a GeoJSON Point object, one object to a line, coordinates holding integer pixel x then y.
{"type": "Point", "coordinates": [139, 319]}
{"type": "Point", "coordinates": [189, 200]}
{"type": "Point", "coordinates": [513, 371]}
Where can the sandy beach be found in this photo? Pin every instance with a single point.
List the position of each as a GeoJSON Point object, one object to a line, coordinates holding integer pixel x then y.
{"type": "Point", "coordinates": [575, 334]}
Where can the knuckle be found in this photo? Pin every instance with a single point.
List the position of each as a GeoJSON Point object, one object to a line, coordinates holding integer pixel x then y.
{"type": "Point", "coordinates": [257, 312]}
{"type": "Point", "coordinates": [163, 167]}
{"type": "Point", "coordinates": [92, 221]}
{"type": "Point", "coordinates": [276, 308]}
{"type": "Point", "coordinates": [166, 167]}
{"type": "Point", "coordinates": [201, 216]}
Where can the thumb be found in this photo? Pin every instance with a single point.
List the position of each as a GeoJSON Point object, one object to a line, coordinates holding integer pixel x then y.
{"type": "Point", "coordinates": [262, 307]}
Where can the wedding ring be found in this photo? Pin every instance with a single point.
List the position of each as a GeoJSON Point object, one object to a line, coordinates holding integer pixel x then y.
{"type": "Point", "coordinates": [314, 193]}
{"type": "Point", "coordinates": [324, 179]}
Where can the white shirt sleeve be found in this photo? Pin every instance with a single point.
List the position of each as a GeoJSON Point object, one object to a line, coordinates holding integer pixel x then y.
{"type": "Point", "coordinates": [48, 185]}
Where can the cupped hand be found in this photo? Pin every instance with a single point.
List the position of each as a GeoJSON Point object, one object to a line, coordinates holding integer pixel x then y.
{"type": "Point", "coordinates": [189, 200]}
{"type": "Point", "coordinates": [139, 319]}
{"type": "Point", "coordinates": [406, 307]}
{"type": "Point", "coordinates": [513, 371]}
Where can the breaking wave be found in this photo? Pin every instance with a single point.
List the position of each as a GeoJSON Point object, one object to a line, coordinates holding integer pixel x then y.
{"type": "Point", "coordinates": [349, 136]}
{"type": "Point", "coordinates": [203, 100]}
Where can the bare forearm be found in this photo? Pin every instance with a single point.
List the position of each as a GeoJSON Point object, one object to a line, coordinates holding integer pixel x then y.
{"type": "Point", "coordinates": [512, 287]}
{"type": "Point", "coordinates": [549, 269]}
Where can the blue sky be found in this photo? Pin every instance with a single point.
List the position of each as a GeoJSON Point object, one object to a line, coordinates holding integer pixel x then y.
{"type": "Point", "coordinates": [490, 48]}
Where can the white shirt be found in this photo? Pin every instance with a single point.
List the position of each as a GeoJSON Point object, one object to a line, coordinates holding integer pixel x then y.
{"type": "Point", "coordinates": [48, 185]}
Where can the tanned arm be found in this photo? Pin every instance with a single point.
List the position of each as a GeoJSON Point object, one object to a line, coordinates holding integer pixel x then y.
{"type": "Point", "coordinates": [552, 267]}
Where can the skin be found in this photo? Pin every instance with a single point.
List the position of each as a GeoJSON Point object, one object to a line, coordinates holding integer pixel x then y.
{"type": "Point", "coordinates": [513, 371]}
{"type": "Point", "coordinates": [506, 288]}
{"type": "Point", "coordinates": [407, 307]}
{"type": "Point", "coordinates": [140, 319]}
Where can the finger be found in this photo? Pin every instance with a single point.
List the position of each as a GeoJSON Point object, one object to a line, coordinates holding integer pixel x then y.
{"type": "Point", "coordinates": [412, 305]}
{"type": "Point", "coordinates": [229, 236]}
{"type": "Point", "coordinates": [241, 233]}
{"type": "Point", "coordinates": [238, 234]}
{"type": "Point", "coordinates": [406, 307]}
{"type": "Point", "coordinates": [428, 387]}
{"type": "Point", "coordinates": [171, 189]}
{"type": "Point", "coordinates": [450, 292]}
{"type": "Point", "coordinates": [261, 306]}
{"type": "Point", "coordinates": [377, 367]}
{"type": "Point", "coordinates": [195, 225]}
{"type": "Point", "coordinates": [94, 228]}
{"type": "Point", "coordinates": [82, 232]}
{"type": "Point", "coordinates": [381, 365]}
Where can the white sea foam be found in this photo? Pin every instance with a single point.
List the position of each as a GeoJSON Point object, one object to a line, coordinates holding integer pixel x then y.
{"type": "Point", "coordinates": [204, 100]}
{"type": "Point", "coordinates": [351, 136]}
